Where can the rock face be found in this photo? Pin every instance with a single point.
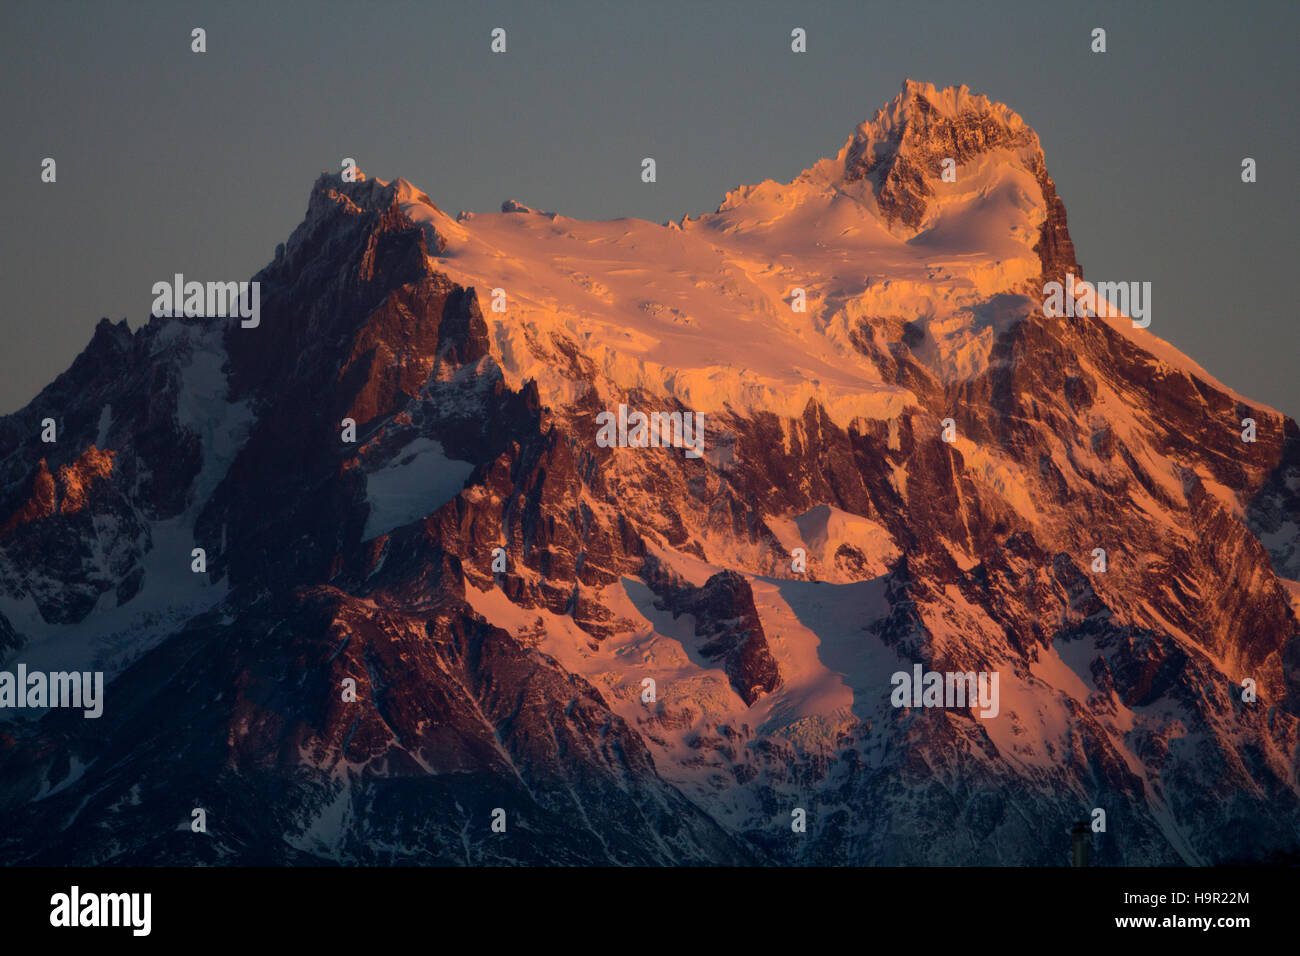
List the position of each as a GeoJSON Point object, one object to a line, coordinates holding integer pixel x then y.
{"type": "Point", "coordinates": [727, 628]}
{"type": "Point", "coordinates": [919, 139]}
{"type": "Point", "coordinates": [458, 613]}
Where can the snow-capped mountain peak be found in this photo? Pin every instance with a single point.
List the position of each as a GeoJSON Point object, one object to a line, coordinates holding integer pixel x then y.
{"type": "Point", "coordinates": [651, 657]}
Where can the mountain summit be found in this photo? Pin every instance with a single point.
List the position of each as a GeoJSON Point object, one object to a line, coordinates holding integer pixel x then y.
{"type": "Point", "coordinates": [502, 596]}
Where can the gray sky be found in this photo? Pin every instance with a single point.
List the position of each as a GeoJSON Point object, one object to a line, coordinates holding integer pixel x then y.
{"type": "Point", "coordinates": [171, 161]}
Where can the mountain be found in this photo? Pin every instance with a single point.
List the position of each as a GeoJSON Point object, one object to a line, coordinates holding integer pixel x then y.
{"type": "Point", "coordinates": [826, 538]}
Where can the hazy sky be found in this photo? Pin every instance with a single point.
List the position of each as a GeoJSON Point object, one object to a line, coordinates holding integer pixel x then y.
{"type": "Point", "coordinates": [171, 161]}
